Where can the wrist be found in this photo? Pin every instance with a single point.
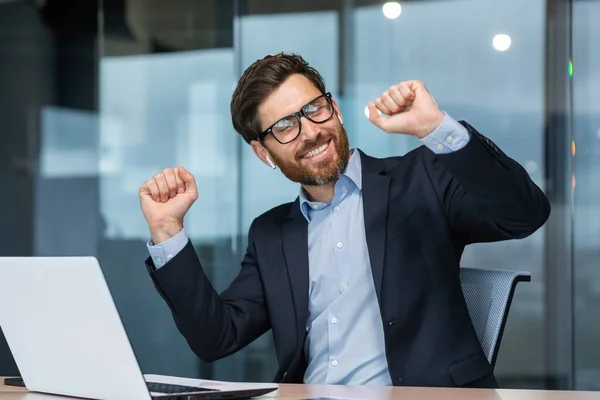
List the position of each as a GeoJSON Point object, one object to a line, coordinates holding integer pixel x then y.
{"type": "Point", "coordinates": [161, 232]}
{"type": "Point", "coordinates": [434, 123]}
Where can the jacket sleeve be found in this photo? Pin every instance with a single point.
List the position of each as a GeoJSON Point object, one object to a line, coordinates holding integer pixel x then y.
{"type": "Point", "coordinates": [214, 325]}
{"type": "Point", "coordinates": [486, 195]}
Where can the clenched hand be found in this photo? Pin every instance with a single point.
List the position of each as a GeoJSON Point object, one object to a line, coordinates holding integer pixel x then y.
{"type": "Point", "coordinates": [165, 199]}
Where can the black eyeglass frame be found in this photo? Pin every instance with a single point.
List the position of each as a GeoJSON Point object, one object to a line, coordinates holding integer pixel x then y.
{"type": "Point", "coordinates": [298, 115]}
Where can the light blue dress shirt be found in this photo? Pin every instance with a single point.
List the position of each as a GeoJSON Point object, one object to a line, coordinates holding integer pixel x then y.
{"type": "Point", "coordinates": [345, 342]}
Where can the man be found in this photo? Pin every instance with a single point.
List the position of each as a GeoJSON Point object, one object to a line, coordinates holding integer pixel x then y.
{"type": "Point", "coordinates": [358, 278]}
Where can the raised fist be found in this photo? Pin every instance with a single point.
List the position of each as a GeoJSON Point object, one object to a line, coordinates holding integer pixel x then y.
{"type": "Point", "coordinates": [165, 199]}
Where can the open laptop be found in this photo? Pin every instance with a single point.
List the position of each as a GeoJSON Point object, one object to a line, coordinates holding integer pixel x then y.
{"type": "Point", "coordinates": [67, 338]}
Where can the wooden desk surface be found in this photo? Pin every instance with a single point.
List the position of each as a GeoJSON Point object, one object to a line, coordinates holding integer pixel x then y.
{"type": "Point", "coordinates": [306, 392]}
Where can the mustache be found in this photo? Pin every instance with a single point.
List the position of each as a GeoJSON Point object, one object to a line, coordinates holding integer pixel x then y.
{"type": "Point", "coordinates": [316, 144]}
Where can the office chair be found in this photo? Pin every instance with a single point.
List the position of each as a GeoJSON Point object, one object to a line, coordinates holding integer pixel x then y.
{"type": "Point", "coordinates": [488, 294]}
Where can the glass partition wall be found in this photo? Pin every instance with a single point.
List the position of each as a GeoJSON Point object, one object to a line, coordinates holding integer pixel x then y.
{"type": "Point", "coordinates": [164, 94]}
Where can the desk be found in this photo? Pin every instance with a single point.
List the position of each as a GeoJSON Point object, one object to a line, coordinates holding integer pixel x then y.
{"type": "Point", "coordinates": [302, 392]}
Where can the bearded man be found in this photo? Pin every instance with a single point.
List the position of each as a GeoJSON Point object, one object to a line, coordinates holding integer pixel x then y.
{"type": "Point", "coordinates": [358, 277]}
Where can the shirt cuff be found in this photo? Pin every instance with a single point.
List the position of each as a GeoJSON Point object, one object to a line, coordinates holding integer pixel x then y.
{"type": "Point", "coordinates": [163, 252]}
{"type": "Point", "coordinates": [448, 137]}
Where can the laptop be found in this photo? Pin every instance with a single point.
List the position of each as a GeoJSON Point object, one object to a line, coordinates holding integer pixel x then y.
{"type": "Point", "coordinates": [67, 338]}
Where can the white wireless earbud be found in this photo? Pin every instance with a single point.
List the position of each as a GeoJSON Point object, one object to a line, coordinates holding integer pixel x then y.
{"type": "Point", "coordinates": [271, 163]}
{"type": "Point", "coordinates": [340, 118]}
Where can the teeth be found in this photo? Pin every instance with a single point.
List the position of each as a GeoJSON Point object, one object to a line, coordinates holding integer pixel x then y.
{"type": "Point", "coordinates": [316, 151]}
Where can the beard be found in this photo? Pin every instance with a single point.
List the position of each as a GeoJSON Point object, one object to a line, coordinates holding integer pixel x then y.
{"type": "Point", "coordinates": [324, 171]}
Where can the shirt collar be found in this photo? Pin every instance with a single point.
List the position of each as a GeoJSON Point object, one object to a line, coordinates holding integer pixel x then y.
{"type": "Point", "coordinates": [352, 174]}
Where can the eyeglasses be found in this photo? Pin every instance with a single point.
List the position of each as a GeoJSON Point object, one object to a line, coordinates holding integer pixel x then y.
{"type": "Point", "coordinates": [288, 128]}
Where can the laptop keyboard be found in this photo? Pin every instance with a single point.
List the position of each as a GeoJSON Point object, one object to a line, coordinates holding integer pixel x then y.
{"type": "Point", "coordinates": [170, 388]}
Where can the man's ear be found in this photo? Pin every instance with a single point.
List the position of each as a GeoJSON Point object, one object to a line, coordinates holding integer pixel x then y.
{"type": "Point", "coordinates": [337, 111]}
{"type": "Point", "coordinates": [335, 105]}
{"type": "Point", "coordinates": [262, 153]}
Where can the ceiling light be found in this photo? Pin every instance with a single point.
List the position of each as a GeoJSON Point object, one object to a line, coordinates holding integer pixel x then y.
{"type": "Point", "coordinates": [501, 42]}
{"type": "Point", "coordinates": [392, 9]}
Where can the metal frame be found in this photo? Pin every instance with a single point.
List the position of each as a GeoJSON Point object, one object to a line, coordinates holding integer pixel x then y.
{"type": "Point", "coordinates": [558, 257]}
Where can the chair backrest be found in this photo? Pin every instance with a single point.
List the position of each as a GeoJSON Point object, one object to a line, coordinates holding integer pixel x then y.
{"type": "Point", "coordinates": [488, 294]}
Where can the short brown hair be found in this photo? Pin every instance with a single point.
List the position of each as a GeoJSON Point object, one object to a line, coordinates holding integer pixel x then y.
{"type": "Point", "coordinates": [261, 79]}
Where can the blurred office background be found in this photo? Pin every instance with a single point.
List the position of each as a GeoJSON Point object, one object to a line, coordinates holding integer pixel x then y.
{"type": "Point", "coordinates": [96, 97]}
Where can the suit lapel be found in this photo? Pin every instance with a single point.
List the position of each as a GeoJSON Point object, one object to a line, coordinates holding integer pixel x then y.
{"type": "Point", "coordinates": [375, 187]}
{"type": "Point", "coordinates": [295, 248]}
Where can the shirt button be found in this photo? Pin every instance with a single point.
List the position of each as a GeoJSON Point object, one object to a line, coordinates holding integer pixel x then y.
{"type": "Point", "coordinates": [449, 139]}
{"type": "Point", "coordinates": [315, 206]}
{"type": "Point", "coordinates": [440, 146]}
{"type": "Point", "coordinates": [343, 287]}
{"type": "Point", "coordinates": [336, 208]}
{"type": "Point", "coordinates": [159, 260]}
{"type": "Point", "coordinates": [339, 245]}
{"type": "Point", "coordinates": [334, 363]}
{"type": "Point", "coordinates": [334, 320]}
{"type": "Point", "coordinates": [169, 256]}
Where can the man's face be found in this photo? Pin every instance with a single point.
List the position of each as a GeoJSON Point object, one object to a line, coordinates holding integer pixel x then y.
{"type": "Point", "coordinates": [321, 152]}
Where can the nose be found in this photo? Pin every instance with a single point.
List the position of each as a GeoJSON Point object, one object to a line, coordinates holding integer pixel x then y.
{"type": "Point", "coordinates": [310, 131]}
